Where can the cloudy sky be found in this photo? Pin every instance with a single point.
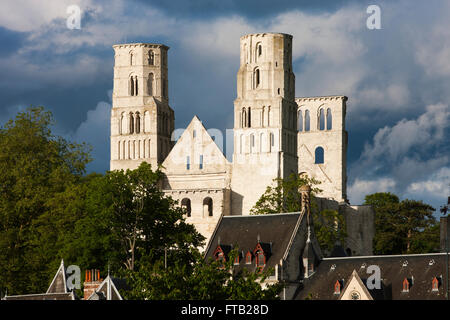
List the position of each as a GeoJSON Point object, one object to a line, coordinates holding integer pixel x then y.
{"type": "Point", "coordinates": [397, 78]}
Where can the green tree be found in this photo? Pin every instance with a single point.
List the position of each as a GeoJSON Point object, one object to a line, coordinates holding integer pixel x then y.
{"type": "Point", "coordinates": [284, 196]}
{"type": "Point", "coordinates": [197, 279]}
{"type": "Point", "coordinates": [403, 227]}
{"type": "Point", "coordinates": [35, 166]}
{"type": "Point", "coordinates": [125, 218]}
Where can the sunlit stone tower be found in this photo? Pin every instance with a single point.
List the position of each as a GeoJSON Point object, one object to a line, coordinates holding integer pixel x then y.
{"type": "Point", "coordinates": [265, 117]}
{"type": "Point", "coordinates": [141, 118]}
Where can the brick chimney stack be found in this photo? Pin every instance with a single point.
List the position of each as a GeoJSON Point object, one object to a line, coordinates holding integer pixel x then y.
{"type": "Point", "coordinates": [91, 282]}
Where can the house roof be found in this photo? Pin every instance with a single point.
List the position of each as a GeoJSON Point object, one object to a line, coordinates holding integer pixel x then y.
{"type": "Point", "coordinates": [43, 296]}
{"type": "Point", "coordinates": [420, 268]}
{"type": "Point", "coordinates": [109, 289]}
{"type": "Point", "coordinates": [273, 232]}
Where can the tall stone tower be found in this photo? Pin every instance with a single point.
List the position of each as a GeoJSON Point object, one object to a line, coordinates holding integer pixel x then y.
{"type": "Point", "coordinates": [265, 116]}
{"type": "Point", "coordinates": [141, 118]}
{"type": "Point", "coordinates": [322, 143]}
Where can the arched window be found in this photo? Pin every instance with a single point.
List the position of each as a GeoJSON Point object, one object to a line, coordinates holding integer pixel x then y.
{"type": "Point", "coordinates": [244, 118]}
{"type": "Point", "coordinates": [268, 116]}
{"type": "Point", "coordinates": [131, 125]}
{"type": "Point", "coordinates": [132, 58]}
{"type": "Point", "coordinates": [258, 51]}
{"type": "Point", "coordinates": [150, 84]}
{"type": "Point", "coordinates": [319, 156]}
{"type": "Point", "coordinates": [151, 57]}
{"type": "Point", "coordinates": [146, 121]}
{"type": "Point", "coordinates": [261, 143]}
{"type": "Point", "coordinates": [131, 83]}
{"type": "Point", "coordinates": [307, 120]}
{"type": "Point", "coordinates": [186, 204]}
{"type": "Point", "coordinates": [300, 120]}
{"type": "Point", "coordinates": [262, 116]}
{"type": "Point", "coordinates": [252, 143]}
{"type": "Point", "coordinates": [241, 143]}
{"type": "Point", "coordinates": [260, 259]}
{"type": "Point", "coordinates": [136, 91]}
{"type": "Point", "coordinates": [329, 119]}
{"type": "Point", "coordinates": [272, 142]}
{"type": "Point", "coordinates": [138, 123]}
{"type": "Point", "coordinates": [249, 117]}
{"type": "Point", "coordinates": [207, 207]}
{"type": "Point", "coordinates": [321, 119]}
{"type": "Point", "coordinates": [123, 124]}
{"type": "Point", "coordinates": [256, 78]}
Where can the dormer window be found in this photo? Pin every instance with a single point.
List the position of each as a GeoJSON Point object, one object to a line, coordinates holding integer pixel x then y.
{"type": "Point", "coordinates": [337, 287]}
{"type": "Point", "coordinates": [236, 260]}
{"type": "Point", "coordinates": [248, 258]}
{"type": "Point", "coordinates": [220, 256]}
{"type": "Point", "coordinates": [406, 285]}
{"type": "Point", "coordinates": [435, 284]}
{"type": "Point", "coordinates": [260, 259]}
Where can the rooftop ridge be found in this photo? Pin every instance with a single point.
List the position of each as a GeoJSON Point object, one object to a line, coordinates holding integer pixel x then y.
{"type": "Point", "coordinates": [263, 215]}
{"type": "Point", "coordinates": [388, 256]}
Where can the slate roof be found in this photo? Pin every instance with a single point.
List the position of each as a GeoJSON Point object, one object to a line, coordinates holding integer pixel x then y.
{"type": "Point", "coordinates": [274, 232]}
{"type": "Point", "coordinates": [420, 269]}
{"type": "Point", "coordinates": [56, 291]}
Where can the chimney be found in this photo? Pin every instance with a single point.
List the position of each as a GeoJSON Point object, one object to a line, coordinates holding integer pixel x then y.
{"type": "Point", "coordinates": [91, 282]}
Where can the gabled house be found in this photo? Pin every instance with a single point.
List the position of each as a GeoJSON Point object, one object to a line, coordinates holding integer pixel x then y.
{"type": "Point", "coordinates": [56, 291]}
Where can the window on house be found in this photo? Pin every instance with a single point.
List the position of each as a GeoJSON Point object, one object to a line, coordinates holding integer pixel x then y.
{"type": "Point", "coordinates": [260, 259]}
{"type": "Point", "coordinates": [435, 284]}
{"type": "Point", "coordinates": [236, 260]}
{"type": "Point", "coordinates": [319, 156]}
{"type": "Point", "coordinates": [248, 258]}
{"type": "Point", "coordinates": [405, 285]}
{"type": "Point", "coordinates": [337, 287]}
{"type": "Point", "coordinates": [221, 258]}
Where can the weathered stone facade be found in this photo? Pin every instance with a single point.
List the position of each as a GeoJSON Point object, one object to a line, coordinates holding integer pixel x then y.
{"type": "Point", "coordinates": [275, 134]}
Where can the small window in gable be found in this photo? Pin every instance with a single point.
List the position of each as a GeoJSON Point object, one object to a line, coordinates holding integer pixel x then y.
{"type": "Point", "coordinates": [337, 287]}
{"type": "Point", "coordinates": [201, 162]}
{"type": "Point", "coordinates": [435, 284]}
{"type": "Point", "coordinates": [188, 163]}
{"type": "Point", "coordinates": [236, 260]}
{"type": "Point", "coordinates": [405, 285]}
{"type": "Point", "coordinates": [248, 258]}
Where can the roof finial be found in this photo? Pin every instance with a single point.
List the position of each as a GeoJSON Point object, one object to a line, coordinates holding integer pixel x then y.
{"type": "Point", "coordinates": [258, 238]}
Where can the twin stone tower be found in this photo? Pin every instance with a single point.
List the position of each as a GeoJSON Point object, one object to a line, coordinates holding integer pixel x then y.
{"type": "Point", "coordinates": [275, 134]}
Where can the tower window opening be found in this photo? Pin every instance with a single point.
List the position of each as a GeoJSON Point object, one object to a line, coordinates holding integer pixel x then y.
{"type": "Point", "coordinates": [256, 78]}
{"type": "Point", "coordinates": [151, 58]}
{"type": "Point", "coordinates": [207, 207]}
{"type": "Point", "coordinates": [186, 204]}
{"type": "Point", "coordinates": [131, 128]}
{"type": "Point", "coordinates": [201, 162]}
{"type": "Point", "coordinates": [319, 155]}
{"type": "Point", "coordinates": [138, 123]}
{"type": "Point", "coordinates": [329, 119]}
{"type": "Point", "coordinates": [188, 163]}
{"type": "Point", "coordinates": [307, 120]}
{"type": "Point", "coordinates": [321, 119]}
{"type": "Point", "coordinates": [249, 117]}
{"type": "Point", "coordinates": [300, 120]}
